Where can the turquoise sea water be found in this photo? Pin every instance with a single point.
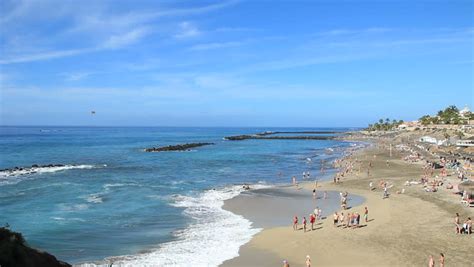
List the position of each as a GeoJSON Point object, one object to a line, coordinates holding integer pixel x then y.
{"type": "Point", "coordinates": [114, 199]}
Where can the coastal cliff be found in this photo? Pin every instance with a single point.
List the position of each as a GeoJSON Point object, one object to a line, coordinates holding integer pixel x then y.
{"type": "Point", "coordinates": [15, 252]}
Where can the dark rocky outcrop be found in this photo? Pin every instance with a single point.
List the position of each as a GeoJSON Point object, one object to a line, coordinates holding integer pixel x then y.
{"type": "Point", "coordinates": [34, 166]}
{"type": "Point", "coordinates": [306, 137]}
{"type": "Point", "coordinates": [269, 135]}
{"type": "Point", "coordinates": [27, 170]}
{"type": "Point", "coordinates": [181, 147]}
{"type": "Point", "coordinates": [15, 252]}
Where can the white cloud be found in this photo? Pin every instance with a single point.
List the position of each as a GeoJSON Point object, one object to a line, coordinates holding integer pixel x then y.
{"type": "Point", "coordinates": [76, 76]}
{"type": "Point", "coordinates": [216, 45]}
{"type": "Point", "coordinates": [215, 81]}
{"type": "Point", "coordinates": [373, 30]}
{"type": "Point", "coordinates": [45, 55]}
{"type": "Point", "coordinates": [235, 29]}
{"type": "Point", "coordinates": [95, 27]}
{"type": "Point", "coordinates": [195, 10]}
{"type": "Point", "coordinates": [125, 39]}
{"type": "Point", "coordinates": [113, 42]}
{"type": "Point", "coordinates": [187, 30]}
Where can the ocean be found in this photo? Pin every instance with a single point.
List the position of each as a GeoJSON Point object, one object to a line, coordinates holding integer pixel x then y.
{"type": "Point", "coordinates": [108, 199]}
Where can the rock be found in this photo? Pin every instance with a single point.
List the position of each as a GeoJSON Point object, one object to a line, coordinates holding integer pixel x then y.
{"type": "Point", "coordinates": [15, 252]}
{"type": "Point", "coordinates": [181, 147]}
{"type": "Point", "coordinates": [271, 135]}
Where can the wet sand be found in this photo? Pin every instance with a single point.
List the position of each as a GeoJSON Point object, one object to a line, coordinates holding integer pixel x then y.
{"type": "Point", "coordinates": [274, 207]}
{"type": "Point", "coordinates": [403, 230]}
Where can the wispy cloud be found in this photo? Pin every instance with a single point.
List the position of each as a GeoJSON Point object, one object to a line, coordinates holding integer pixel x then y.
{"type": "Point", "coordinates": [76, 76]}
{"type": "Point", "coordinates": [186, 30]}
{"type": "Point", "coordinates": [96, 28]}
{"type": "Point", "coordinates": [215, 45]}
{"type": "Point", "coordinates": [195, 10]}
{"type": "Point", "coordinates": [113, 42]}
{"type": "Point", "coordinates": [371, 30]}
{"type": "Point", "coordinates": [47, 55]}
{"type": "Point", "coordinates": [236, 29]}
{"type": "Point", "coordinates": [125, 39]}
{"type": "Point", "coordinates": [216, 81]}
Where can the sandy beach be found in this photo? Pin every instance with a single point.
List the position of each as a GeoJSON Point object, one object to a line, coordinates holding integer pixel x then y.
{"type": "Point", "coordinates": [403, 230]}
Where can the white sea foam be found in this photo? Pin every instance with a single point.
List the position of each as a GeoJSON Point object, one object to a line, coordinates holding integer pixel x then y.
{"type": "Point", "coordinates": [214, 236]}
{"type": "Point", "coordinates": [95, 198]}
{"type": "Point", "coordinates": [63, 220]}
{"type": "Point", "coordinates": [72, 208]}
{"type": "Point", "coordinates": [13, 176]}
{"type": "Point", "coordinates": [42, 169]}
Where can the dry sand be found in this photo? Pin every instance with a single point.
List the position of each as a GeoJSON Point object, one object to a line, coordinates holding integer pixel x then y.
{"type": "Point", "coordinates": [403, 230]}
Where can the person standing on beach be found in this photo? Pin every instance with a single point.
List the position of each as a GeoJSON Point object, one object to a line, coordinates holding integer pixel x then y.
{"type": "Point", "coordinates": [456, 222]}
{"type": "Point", "coordinates": [308, 261]}
{"type": "Point", "coordinates": [293, 180]}
{"type": "Point", "coordinates": [468, 226]}
{"type": "Point", "coordinates": [431, 262]}
{"type": "Point", "coordinates": [295, 223]}
{"type": "Point", "coordinates": [348, 220]}
{"type": "Point", "coordinates": [304, 224]}
{"type": "Point", "coordinates": [366, 214]}
{"type": "Point", "coordinates": [441, 260]}
{"type": "Point", "coordinates": [312, 219]}
{"type": "Point", "coordinates": [344, 203]}
{"type": "Point", "coordinates": [385, 192]}
{"type": "Point", "coordinates": [336, 219]}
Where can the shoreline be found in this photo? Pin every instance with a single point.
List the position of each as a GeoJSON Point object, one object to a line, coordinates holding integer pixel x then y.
{"type": "Point", "coordinates": [276, 206]}
{"type": "Point", "coordinates": [409, 223]}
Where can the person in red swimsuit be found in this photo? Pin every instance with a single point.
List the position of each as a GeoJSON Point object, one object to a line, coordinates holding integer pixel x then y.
{"type": "Point", "coordinates": [312, 219]}
{"type": "Point", "coordinates": [295, 223]}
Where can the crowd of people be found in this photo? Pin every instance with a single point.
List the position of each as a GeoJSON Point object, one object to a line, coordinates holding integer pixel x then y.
{"type": "Point", "coordinates": [463, 228]}
{"type": "Point", "coordinates": [350, 220]}
{"type": "Point", "coordinates": [430, 181]}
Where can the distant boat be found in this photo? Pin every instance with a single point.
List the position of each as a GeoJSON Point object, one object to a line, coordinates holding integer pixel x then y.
{"type": "Point", "coordinates": [93, 112]}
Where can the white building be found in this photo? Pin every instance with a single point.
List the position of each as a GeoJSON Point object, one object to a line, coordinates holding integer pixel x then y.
{"type": "Point", "coordinates": [465, 143]}
{"type": "Point", "coordinates": [463, 112]}
{"type": "Point", "coordinates": [428, 139]}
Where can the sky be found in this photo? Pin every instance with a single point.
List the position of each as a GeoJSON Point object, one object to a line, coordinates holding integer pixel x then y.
{"type": "Point", "coordinates": [233, 63]}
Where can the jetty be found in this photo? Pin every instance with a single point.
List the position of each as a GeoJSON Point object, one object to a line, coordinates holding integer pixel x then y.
{"type": "Point", "coordinates": [179, 147]}
{"type": "Point", "coordinates": [271, 135]}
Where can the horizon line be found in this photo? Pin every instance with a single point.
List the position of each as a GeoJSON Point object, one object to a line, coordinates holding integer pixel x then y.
{"type": "Point", "coordinates": [171, 126]}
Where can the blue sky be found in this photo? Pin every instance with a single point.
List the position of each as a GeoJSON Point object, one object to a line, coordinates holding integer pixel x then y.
{"type": "Point", "coordinates": [232, 63]}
